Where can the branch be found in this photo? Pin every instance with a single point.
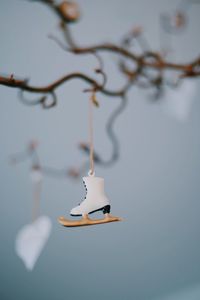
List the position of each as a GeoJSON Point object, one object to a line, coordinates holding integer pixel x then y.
{"type": "Point", "coordinates": [135, 68]}
{"type": "Point", "coordinates": [50, 89]}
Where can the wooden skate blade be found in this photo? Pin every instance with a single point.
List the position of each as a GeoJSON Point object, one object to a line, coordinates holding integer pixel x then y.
{"type": "Point", "coordinates": [85, 221]}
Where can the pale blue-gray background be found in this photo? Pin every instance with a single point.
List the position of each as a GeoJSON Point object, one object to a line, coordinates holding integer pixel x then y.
{"type": "Point", "coordinates": [155, 185]}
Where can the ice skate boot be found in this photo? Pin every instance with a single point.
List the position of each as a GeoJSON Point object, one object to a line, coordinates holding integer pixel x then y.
{"type": "Point", "coordinates": [95, 200]}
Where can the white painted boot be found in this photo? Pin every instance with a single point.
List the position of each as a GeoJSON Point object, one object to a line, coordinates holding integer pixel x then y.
{"type": "Point", "coordinates": [95, 199]}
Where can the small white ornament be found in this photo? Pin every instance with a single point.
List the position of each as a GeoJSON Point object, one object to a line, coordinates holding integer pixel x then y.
{"type": "Point", "coordinates": [36, 175]}
{"type": "Point", "coordinates": [177, 102]}
{"type": "Point", "coordinates": [31, 240]}
{"type": "Point", "coordinates": [95, 200]}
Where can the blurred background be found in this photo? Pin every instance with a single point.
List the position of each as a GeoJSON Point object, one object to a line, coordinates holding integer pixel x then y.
{"type": "Point", "coordinates": [154, 186]}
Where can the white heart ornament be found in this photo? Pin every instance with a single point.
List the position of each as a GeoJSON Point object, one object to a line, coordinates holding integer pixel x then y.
{"type": "Point", "coordinates": [31, 240]}
{"type": "Point", "coordinates": [177, 102]}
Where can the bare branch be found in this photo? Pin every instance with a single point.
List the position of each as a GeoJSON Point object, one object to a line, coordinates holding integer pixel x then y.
{"type": "Point", "coordinates": [136, 68]}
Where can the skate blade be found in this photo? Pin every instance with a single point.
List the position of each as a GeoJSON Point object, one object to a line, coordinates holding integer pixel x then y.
{"type": "Point", "coordinates": [86, 221]}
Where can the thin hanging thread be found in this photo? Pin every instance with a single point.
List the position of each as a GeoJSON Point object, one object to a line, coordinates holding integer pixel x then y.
{"type": "Point", "coordinates": [91, 141]}
{"type": "Point", "coordinates": [36, 200]}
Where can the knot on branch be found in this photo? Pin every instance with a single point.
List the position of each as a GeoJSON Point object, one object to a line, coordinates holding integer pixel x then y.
{"type": "Point", "coordinates": [69, 11]}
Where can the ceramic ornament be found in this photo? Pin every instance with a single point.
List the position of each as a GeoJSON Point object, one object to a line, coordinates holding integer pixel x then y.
{"type": "Point", "coordinates": [95, 199]}
{"type": "Point", "coordinates": [36, 175]}
{"type": "Point", "coordinates": [31, 240]}
{"type": "Point", "coordinates": [177, 103]}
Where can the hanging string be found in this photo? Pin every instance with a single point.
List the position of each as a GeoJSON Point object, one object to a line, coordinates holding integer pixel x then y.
{"type": "Point", "coordinates": [37, 186]}
{"type": "Point", "coordinates": [91, 141]}
{"type": "Point", "coordinates": [36, 178]}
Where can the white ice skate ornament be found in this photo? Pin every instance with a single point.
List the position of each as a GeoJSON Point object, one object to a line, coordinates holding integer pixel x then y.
{"type": "Point", "coordinates": [95, 200]}
{"type": "Point", "coordinates": [31, 240]}
{"type": "Point", "coordinates": [177, 102]}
